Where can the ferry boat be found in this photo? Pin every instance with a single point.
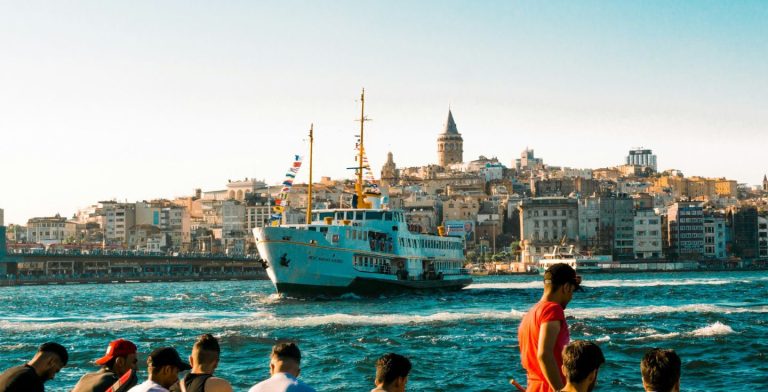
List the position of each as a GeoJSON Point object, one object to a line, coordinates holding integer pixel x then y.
{"type": "Point", "coordinates": [361, 250]}
{"type": "Point", "coordinates": [568, 255]}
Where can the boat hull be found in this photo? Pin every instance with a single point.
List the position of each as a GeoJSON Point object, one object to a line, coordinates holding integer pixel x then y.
{"type": "Point", "coordinates": [372, 287]}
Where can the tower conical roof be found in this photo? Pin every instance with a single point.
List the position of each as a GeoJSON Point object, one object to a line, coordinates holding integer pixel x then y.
{"type": "Point", "coordinates": [450, 125]}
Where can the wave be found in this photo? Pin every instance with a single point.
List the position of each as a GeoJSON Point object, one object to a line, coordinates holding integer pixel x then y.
{"type": "Point", "coordinates": [537, 284]}
{"type": "Point", "coordinates": [715, 329]}
{"type": "Point", "coordinates": [268, 320]}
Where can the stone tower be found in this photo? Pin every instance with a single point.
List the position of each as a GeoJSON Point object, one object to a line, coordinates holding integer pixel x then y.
{"type": "Point", "coordinates": [389, 175]}
{"type": "Point", "coordinates": [765, 183]}
{"type": "Point", "coordinates": [450, 145]}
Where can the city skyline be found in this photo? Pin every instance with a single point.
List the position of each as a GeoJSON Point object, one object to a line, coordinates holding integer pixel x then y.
{"type": "Point", "coordinates": [141, 101]}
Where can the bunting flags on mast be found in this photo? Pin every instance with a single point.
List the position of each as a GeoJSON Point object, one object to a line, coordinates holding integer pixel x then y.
{"type": "Point", "coordinates": [282, 197]}
{"type": "Point", "coordinates": [369, 182]}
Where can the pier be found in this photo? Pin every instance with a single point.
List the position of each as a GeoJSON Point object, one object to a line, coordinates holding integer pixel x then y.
{"type": "Point", "coordinates": [40, 267]}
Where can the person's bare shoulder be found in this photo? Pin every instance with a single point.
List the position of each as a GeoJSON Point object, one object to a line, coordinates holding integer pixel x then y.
{"type": "Point", "coordinates": [215, 384]}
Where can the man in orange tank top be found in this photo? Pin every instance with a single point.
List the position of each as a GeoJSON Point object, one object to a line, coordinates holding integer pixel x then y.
{"type": "Point", "coordinates": [543, 331]}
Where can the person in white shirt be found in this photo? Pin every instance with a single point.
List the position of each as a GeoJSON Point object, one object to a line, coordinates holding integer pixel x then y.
{"type": "Point", "coordinates": [392, 373]}
{"type": "Point", "coordinates": [163, 365]}
{"type": "Point", "coordinates": [284, 366]}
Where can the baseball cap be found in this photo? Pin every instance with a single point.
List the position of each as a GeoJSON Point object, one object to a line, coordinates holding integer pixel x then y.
{"type": "Point", "coordinates": [561, 274]}
{"type": "Point", "coordinates": [167, 356]}
{"type": "Point", "coordinates": [117, 348]}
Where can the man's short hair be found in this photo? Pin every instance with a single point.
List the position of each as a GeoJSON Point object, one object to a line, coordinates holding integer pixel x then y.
{"type": "Point", "coordinates": [55, 348]}
{"type": "Point", "coordinates": [580, 358]}
{"type": "Point", "coordinates": [287, 350]}
{"type": "Point", "coordinates": [391, 366]}
{"type": "Point", "coordinates": [660, 369]}
{"type": "Point", "coordinates": [207, 348]}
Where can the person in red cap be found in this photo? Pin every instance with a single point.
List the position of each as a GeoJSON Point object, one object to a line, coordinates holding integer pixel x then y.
{"type": "Point", "coordinates": [118, 370]}
{"type": "Point", "coordinates": [543, 331]}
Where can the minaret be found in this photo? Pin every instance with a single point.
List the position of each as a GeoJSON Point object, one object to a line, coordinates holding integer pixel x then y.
{"type": "Point", "coordinates": [389, 175]}
{"type": "Point", "coordinates": [450, 145]}
{"type": "Point", "coordinates": [765, 183]}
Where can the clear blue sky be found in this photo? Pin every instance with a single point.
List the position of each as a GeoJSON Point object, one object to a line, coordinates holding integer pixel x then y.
{"type": "Point", "coordinates": [144, 99]}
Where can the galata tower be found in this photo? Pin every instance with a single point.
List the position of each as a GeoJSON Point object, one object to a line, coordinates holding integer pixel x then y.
{"type": "Point", "coordinates": [450, 145]}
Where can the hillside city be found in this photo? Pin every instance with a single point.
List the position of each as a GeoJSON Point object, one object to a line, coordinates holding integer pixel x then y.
{"type": "Point", "coordinates": [631, 211]}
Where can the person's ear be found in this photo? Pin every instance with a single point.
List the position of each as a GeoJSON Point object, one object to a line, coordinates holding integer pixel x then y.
{"type": "Point", "coordinates": [191, 362]}
{"type": "Point", "coordinates": [119, 362]}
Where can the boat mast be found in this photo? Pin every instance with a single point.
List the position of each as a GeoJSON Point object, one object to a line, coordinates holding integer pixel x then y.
{"type": "Point", "coordinates": [309, 189]}
{"type": "Point", "coordinates": [361, 203]}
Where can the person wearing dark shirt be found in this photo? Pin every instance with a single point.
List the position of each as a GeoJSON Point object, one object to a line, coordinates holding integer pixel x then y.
{"type": "Point", "coordinates": [118, 370]}
{"type": "Point", "coordinates": [204, 360]}
{"type": "Point", "coordinates": [30, 377]}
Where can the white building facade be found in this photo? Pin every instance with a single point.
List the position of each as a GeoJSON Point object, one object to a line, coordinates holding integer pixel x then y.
{"type": "Point", "coordinates": [647, 235]}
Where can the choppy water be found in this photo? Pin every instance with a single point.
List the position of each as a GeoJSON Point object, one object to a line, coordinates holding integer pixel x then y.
{"type": "Point", "coordinates": [465, 341]}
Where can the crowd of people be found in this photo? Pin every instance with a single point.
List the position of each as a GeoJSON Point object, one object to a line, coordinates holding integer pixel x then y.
{"type": "Point", "coordinates": [552, 362]}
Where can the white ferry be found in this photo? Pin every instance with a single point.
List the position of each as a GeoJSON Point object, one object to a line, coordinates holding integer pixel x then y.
{"type": "Point", "coordinates": [578, 262]}
{"type": "Point", "coordinates": [361, 251]}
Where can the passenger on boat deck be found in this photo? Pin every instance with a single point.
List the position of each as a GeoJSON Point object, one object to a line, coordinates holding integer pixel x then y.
{"type": "Point", "coordinates": [284, 368]}
{"type": "Point", "coordinates": [660, 369]}
{"type": "Point", "coordinates": [163, 366]}
{"type": "Point", "coordinates": [118, 370]}
{"type": "Point", "coordinates": [581, 361]}
{"type": "Point", "coordinates": [392, 373]}
{"type": "Point", "coordinates": [204, 360]}
{"type": "Point", "coordinates": [48, 361]}
{"type": "Point", "coordinates": [543, 332]}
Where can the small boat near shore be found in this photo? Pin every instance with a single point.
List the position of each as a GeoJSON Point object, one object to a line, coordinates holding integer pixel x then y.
{"type": "Point", "coordinates": [568, 255]}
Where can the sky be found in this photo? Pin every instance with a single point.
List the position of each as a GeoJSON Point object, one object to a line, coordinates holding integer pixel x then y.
{"type": "Point", "coordinates": [137, 100]}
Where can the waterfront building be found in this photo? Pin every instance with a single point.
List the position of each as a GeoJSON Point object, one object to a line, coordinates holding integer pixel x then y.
{"type": "Point", "coordinates": [51, 230]}
{"type": "Point", "coordinates": [450, 144]}
{"type": "Point", "coordinates": [115, 219]}
{"type": "Point", "coordinates": [389, 172]}
{"type": "Point", "coordinates": [744, 232]}
{"type": "Point", "coordinates": [685, 230]}
{"type": "Point", "coordinates": [170, 218]}
{"type": "Point", "coordinates": [762, 237]}
{"type": "Point", "coordinates": [424, 211]}
{"type": "Point", "coordinates": [528, 161]}
{"type": "Point", "coordinates": [552, 187]}
{"type": "Point", "coordinates": [714, 237]}
{"type": "Point", "coordinates": [233, 227]}
{"type": "Point", "coordinates": [238, 190]}
{"type": "Point", "coordinates": [460, 208]}
{"type": "Point", "coordinates": [546, 221]}
{"type": "Point", "coordinates": [647, 235]}
{"type": "Point", "coordinates": [606, 225]}
{"type": "Point", "coordinates": [642, 157]}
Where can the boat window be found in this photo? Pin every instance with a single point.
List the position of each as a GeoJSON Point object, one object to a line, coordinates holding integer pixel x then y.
{"type": "Point", "coordinates": [359, 215]}
{"type": "Point", "coordinates": [323, 215]}
{"type": "Point", "coordinates": [365, 235]}
{"type": "Point", "coordinates": [373, 215]}
{"type": "Point", "coordinates": [387, 216]}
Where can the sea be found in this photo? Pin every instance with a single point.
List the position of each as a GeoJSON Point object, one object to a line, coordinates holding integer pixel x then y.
{"type": "Point", "coordinates": [457, 341]}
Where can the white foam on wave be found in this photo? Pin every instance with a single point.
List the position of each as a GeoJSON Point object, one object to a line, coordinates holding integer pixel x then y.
{"type": "Point", "coordinates": [603, 339]}
{"type": "Point", "coordinates": [715, 329]}
{"type": "Point", "coordinates": [506, 285]}
{"type": "Point", "coordinates": [257, 320]}
{"type": "Point", "coordinates": [588, 282]}
{"type": "Point", "coordinates": [261, 320]}
{"type": "Point", "coordinates": [143, 298]}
